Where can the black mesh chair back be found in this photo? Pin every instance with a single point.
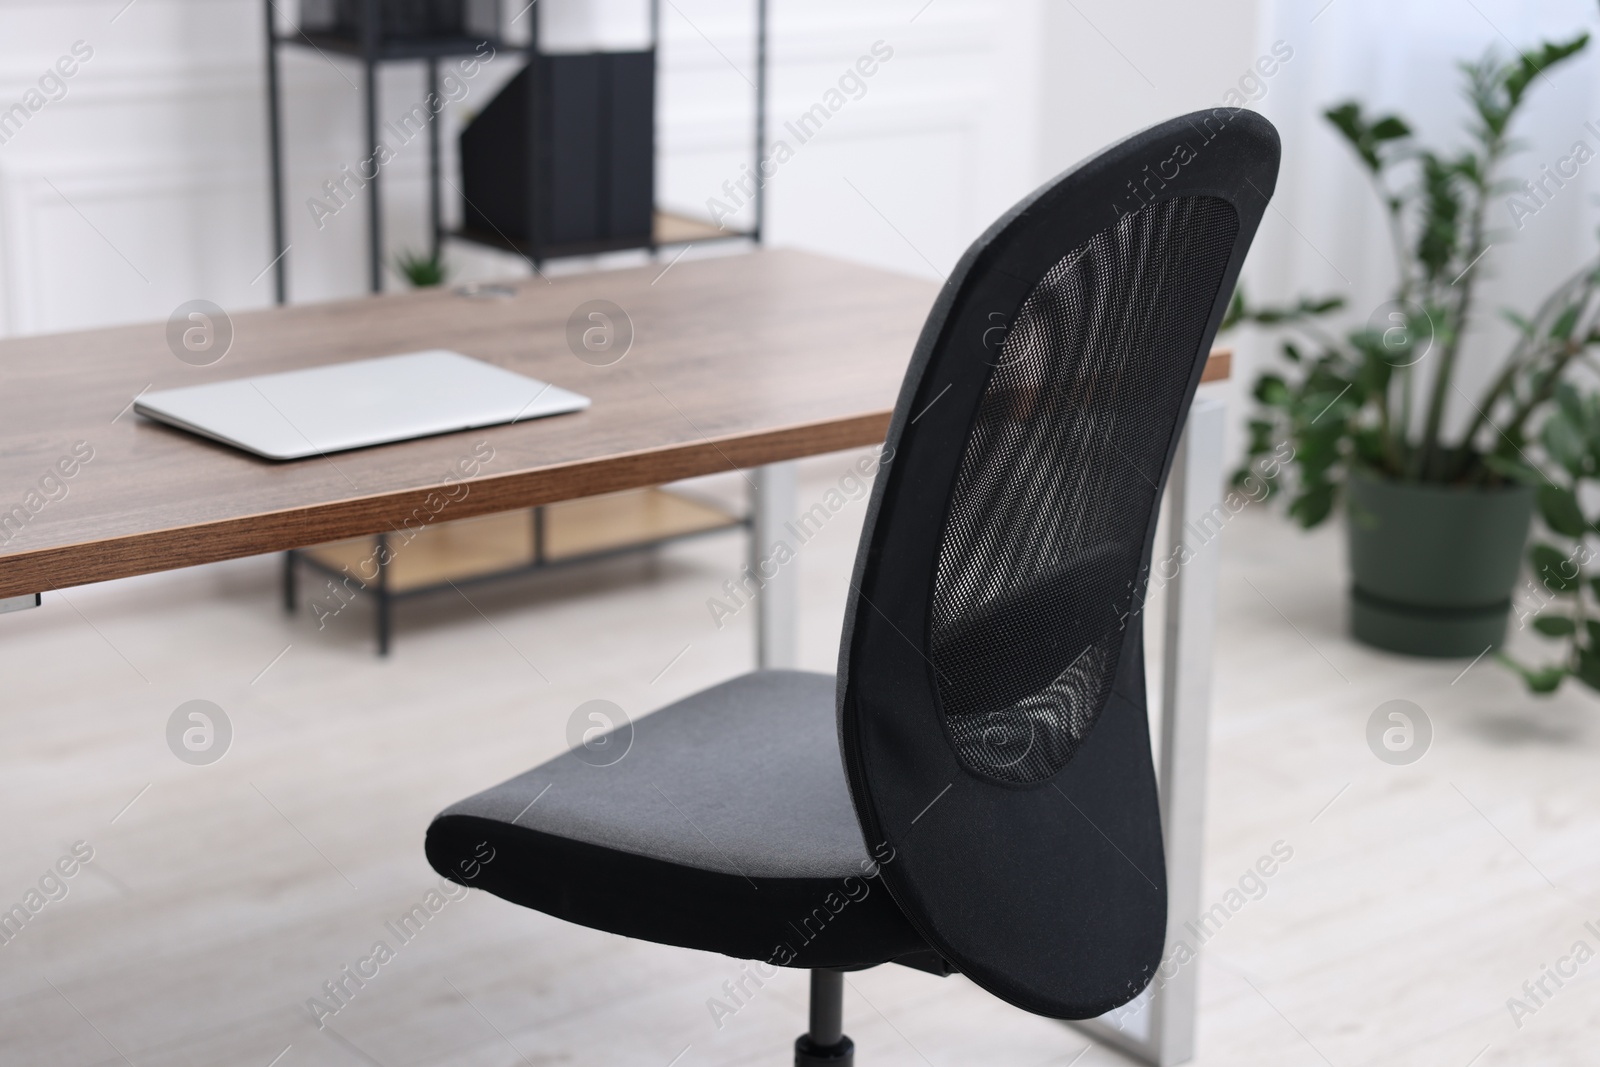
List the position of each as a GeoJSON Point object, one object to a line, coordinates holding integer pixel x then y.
{"type": "Point", "coordinates": [992, 708]}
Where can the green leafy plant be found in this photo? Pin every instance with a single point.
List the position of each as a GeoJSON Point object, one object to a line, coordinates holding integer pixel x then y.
{"type": "Point", "coordinates": [1376, 397]}
{"type": "Point", "coordinates": [422, 271]}
{"type": "Point", "coordinates": [1562, 598]}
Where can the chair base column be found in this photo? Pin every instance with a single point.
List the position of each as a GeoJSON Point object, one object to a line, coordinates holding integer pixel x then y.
{"type": "Point", "coordinates": [807, 1054]}
{"type": "Point", "coordinates": [826, 1044]}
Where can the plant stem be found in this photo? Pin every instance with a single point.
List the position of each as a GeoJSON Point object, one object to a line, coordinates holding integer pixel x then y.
{"type": "Point", "coordinates": [1545, 390]}
{"type": "Point", "coordinates": [1530, 350]}
{"type": "Point", "coordinates": [1427, 461]}
{"type": "Point", "coordinates": [1407, 402]}
{"type": "Point", "coordinates": [1395, 447]}
{"type": "Point", "coordinates": [1520, 356]}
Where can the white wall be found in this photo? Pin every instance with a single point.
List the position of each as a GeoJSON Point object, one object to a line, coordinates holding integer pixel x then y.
{"type": "Point", "coordinates": [144, 185]}
{"type": "Point", "coordinates": [1112, 68]}
{"type": "Point", "coordinates": [1327, 234]}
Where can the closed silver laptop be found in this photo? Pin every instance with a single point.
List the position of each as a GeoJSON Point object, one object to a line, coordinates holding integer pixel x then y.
{"type": "Point", "coordinates": [334, 408]}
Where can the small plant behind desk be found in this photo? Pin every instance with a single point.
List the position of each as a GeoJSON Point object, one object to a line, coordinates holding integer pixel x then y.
{"type": "Point", "coordinates": [422, 271]}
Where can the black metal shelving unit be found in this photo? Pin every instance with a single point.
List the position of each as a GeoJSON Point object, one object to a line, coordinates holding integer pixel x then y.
{"type": "Point", "coordinates": [372, 50]}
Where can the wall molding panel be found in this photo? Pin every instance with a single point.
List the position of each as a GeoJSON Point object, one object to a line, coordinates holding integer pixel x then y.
{"type": "Point", "coordinates": [160, 144]}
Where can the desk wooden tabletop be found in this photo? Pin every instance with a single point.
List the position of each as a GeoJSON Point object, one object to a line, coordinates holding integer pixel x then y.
{"type": "Point", "coordinates": [736, 361]}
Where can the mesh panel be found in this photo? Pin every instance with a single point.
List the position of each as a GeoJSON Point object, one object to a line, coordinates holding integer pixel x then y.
{"type": "Point", "coordinates": [1047, 523]}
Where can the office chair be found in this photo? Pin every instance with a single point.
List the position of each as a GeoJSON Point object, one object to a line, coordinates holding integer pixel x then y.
{"type": "Point", "coordinates": [974, 793]}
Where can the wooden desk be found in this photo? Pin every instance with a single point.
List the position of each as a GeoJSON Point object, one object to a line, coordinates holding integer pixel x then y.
{"type": "Point", "coordinates": [736, 362]}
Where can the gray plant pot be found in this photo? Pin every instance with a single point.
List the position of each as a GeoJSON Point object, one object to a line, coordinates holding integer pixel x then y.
{"type": "Point", "coordinates": [1433, 566]}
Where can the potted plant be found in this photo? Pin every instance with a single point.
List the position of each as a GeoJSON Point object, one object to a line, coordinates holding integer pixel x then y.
{"type": "Point", "coordinates": [422, 271]}
{"type": "Point", "coordinates": [1436, 522]}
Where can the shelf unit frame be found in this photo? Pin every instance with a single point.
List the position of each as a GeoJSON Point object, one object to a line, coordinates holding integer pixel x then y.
{"type": "Point", "coordinates": [372, 51]}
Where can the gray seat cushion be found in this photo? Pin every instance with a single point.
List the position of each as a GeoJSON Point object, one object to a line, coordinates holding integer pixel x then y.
{"type": "Point", "coordinates": [726, 826]}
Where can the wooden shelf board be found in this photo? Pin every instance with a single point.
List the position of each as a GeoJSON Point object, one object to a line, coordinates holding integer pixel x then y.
{"type": "Point", "coordinates": [672, 228]}
{"type": "Point", "coordinates": [617, 520]}
{"type": "Point", "coordinates": [472, 548]}
{"type": "Point", "coordinates": [446, 551]}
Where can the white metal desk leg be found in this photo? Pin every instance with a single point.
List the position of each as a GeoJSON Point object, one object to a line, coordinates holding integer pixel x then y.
{"type": "Point", "coordinates": [1158, 1027]}
{"type": "Point", "coordinates": [772, 508]}
{"type": "Point", "coordinates": [1196, 492]}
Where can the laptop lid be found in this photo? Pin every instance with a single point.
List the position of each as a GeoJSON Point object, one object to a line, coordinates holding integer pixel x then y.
{"type": "Point", "coordinates": [313, 412]}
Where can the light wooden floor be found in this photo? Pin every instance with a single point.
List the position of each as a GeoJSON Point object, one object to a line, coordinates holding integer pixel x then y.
{"type": "Point", "coordinates": [1418, 899]}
